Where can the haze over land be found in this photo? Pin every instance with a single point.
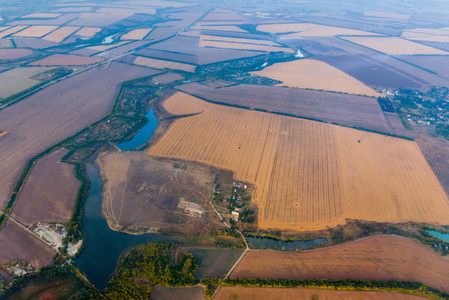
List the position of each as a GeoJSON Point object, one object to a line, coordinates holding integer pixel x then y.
{"type": "Point", "coordinates": [199, 149]}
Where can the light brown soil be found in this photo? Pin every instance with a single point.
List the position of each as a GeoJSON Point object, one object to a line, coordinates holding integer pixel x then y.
{"type": "Point", "coordinates": [373, 258]}
{"type": "Point", "coordinates": [17, 244]}
{"type": "Point", "coordinates": [236, 293]}
{"type": "Point", "coordinates": [163, 64]}
{"type": "Point", "coordinates": [14, 53]}
{"type": "Point", "coordinates": [50, 192]}
{"type": "Point", "coordinates": [308, 29]}
{"type": "Point", "coordinates": [66, 60]}
{"type": "Point", "coordinates": [136, 34]}
{"type": "Point", "coordinates": [60, 34]}
{"type": "Point", "coordinates": [308, 175]}
{"type": "Point", "coordinates": [36, 31]}
{"type": "Point", "coordinates": [161, 292]}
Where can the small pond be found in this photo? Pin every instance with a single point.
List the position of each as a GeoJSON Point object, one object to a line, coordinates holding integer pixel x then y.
{"type": "Point", "coordinates": [143, 135]}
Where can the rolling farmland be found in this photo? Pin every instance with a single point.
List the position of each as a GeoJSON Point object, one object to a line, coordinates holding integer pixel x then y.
{"type": "Point", "coordinates": [334, 172]}
{"type": "Point", "coordinates": [137, 34]}
{"type": "Point", "coordinates": [236, 293]}
{"type": "Point", "coordinates": [350, 110]}
{"type": "Point", "coordinates": [163, 64]}
{"type": "Point", "coordinates": [50, 192]}
{"type": "Point", "coordinates": [36, 31]}
{"type": "Point", "coordinates": [61, 34]}
{"type": "Point", "coordinates": [14, 53]}
{"type": "Point", "coordinates": [317, 75]}
{"type": "Point", "coordinates": [308, 29]}
{"type": "Point", "coordinates": [373, 258]}
{"type": "Point", "coordinates": [16, 80]}
{"type": "Point", "coordinates": [66, 60]}
{"type": "Point", "coordinates": [45, 118]}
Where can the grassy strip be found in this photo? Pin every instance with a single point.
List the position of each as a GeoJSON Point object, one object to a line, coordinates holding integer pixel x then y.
{"type": "Point", "coordinates": [406, 287]}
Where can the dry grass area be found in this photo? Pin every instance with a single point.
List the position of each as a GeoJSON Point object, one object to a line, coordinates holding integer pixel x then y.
{"type": "Point", "coordinates": [317, 75]}
{"type": "Point", "coordinates": [395, 45]}
{"type": "Point", "coordinates": [163, 64]}
{"type": "Point", "coordinates": [50, 192]}
{"type": "Point", "coordinates": [88, 31]}
{"type": "Point", "coordinates": [16, 80]}
{"type": "Point", "coordinates": [142, 193]}
{"type": "Point", "coordinates": [14, 53]}
{"type": "Point", "coordinates": [309, 29]}
{"type": "Point", "coordinates": [17, 244]}
{"type": "Point", "coordinates": [333, 172]}
{"type": "Point", "coordinates": [373, 258]}
{"type": "Point", "coordinates": [162, 292]}
{"type": "Point", "coordinates": [10, 31]}
{"type": "Point", "coordinates": [137, 34]}
{"type": "Point", "coordinates": [3, 133]}
{"type": "Point", "coordinates": [41, 16]}
{"type": "Point", "coordinates": [247, 293]}
{"type": "Point", "coordinates": [60, 34]}
{"type": "Point", "coordinates": [55, 113]}
{"type": "Point", "coordinates": [241, 43]}
{"type": "Point", "coordinates": [36, 31]}
{"type": "Point", "coordinates": [66, 60]}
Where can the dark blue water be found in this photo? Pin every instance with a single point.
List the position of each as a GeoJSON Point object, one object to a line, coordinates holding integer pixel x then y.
{"type": "Point", "coordinates": [443, 236]}
{"type": "Point", "coordinates": [270, 243]}
{"type": "Point", "coordinates": [104, 246]}
{"type": "Point", "coordinates": [143, 135]}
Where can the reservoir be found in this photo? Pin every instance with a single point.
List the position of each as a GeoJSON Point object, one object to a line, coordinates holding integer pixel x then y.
{"type": "Point", "coordinates": [143, 135]}
{"type": "Point", "coordinates": [259, 242]}
{"type": "Point", "coordinates": [443, 236]}
{"type": "Point", "coordinates": [103, 246]}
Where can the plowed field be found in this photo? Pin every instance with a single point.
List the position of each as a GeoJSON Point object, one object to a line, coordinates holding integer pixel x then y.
{"type": "Point", "coordinates": [373, 258]}
{"type": "Point", "coordinates": [308, 175]}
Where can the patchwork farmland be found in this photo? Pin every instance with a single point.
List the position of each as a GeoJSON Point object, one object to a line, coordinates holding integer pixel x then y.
{"type": "Point", "coordinates": [327, 179]}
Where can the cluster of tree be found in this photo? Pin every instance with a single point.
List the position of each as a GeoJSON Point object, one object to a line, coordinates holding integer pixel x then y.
{"type": "Point", "coordinates": [148, 265]}
{"type": "Point", "coordinates": [443, 130]}
{"type": "Point", "coordinates": [415, 288]}
{"type": "Point", "coordinates": [3, 219]}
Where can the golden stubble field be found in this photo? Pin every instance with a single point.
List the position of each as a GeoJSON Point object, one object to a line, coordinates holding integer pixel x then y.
{"type": "Point", "coordinates": [317, 75]}
{"type": "Point", "coordinates": [308, 175]}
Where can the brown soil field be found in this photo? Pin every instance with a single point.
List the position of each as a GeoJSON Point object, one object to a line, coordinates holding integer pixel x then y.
{"type": "Point", "coordinates": [61, 34]}
{"type": "Point", "coordinates": [350, 110]}
{"type": "Point", "coordinates": [385, 14]}
{"type": "Point", "coordinates": [106, 47]}
{"type": "Point", "coordinates": [141, 192]}
{"type": "Point", "coordinates": [238, 40]}
{"type": "Point", "coordinates": [317, 75]}
{"type": "Point", "coordinates": [6, 43]}
{"type": "Point", "coordinates": [88, 31]}
{"type": "Point", "coordinates": [170, 56]}
{"type": "Point", "coordinates": [50, 192]}
{"type": "Point", "coordinates": [34, 43]}
{"type": "Point", "coordinates": [395, 45]}
{"type": "Point", "coordinates": [189, 45]}
{"type": "Point", "coordinates": [227, 292]}
{"type": "Point", "coordinates": [371, 72]}
{"type": "Point", "coordinates": [334, 172]}
{"type": "Point", "coordinates": [36, 31]}
{"type": "Point", "coordinates": [14, 53]}
{"type": "Point", "coordinates": [66, 60]}
{"type": "Point", "coordinates": [161, 292]}
{"type": "Point", "coordinates": [222, 28]}
{"type": "Point", "coordinates": [17, 244]}
{"type": "Point", "coordinates": [309, 29]}
{"type": "Point", "coordinates": [45, 118]}
{"type": "Point", "coordinates": [243, 46]}
{"type": "Point", "coordinates": [434, 63]}
{"type": "Point", "coordinates": [16, 80]}
{"type": "Point", "coordinates": [136, 34]}
{"type": "Point", "coordinates": [11, 31]}
{"type": "Point", "coordinates": [163, 64]}
{"type": "Point", "coordinates": [213, 55]}
{"type": "Point", "coordinates": [127, 47]}
{"type": "Point", "coordinates": [167, 78]}
{"type": "Point", "coordinates": [373, 258]}
{"type": "Point", "coordinates": [41, 16]}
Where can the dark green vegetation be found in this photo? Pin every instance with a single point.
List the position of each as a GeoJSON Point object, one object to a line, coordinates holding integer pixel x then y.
{"type": "Point", "coordinates": [148, 265]}
{"type": "Point", "coordinates": [50, 283]}
{"type": "Point", "coordinates": [430, 109]}
{"type": "Point", "coordinates": [3, 219]}
{"type": "Point", "coordinates": [414, 288]}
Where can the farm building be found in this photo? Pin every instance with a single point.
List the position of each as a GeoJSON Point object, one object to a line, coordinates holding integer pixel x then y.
{"type": "Point", "coordinates": [190, 207]}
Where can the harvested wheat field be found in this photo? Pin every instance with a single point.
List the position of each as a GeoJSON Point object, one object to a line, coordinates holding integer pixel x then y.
{"type": "Point", "coordinates": [66, 60]}
{"type": "Point", "coordinates": [10, 31]}
{"type": "Point", "coordinates": [333, 172]}
{"type": "Point", "coordinates": [88, 31]}
{"type": "Point", "coordinates": [3, 133]}
{"type": "Point", "coordinates": [14, 53]}
{"type": "Point", "coordinates": [36, 31]}
{"type": "Point", "coordinates": [309, 29]}
{"type": "Point", "coordinates": [45, 118]}
{"type": "Point", "coordinates": [137, 34]}
{"type": "Point", "coordinates": [248, 293]}
{"type": "Point", "coordinates": [41, 16]}
{"type": "Point", "coordinates": [395, 45]}
{"type": "Point", "coordinates": [374, 258]}
{"type": "Point", "coordinates": [163, 64]}
{"type": "Point", "coordinates": [17, 244]}
{"type": "Point", "coordinates": [50, 192]}
{"type": "Point", "coordinates": [317, 75]}
{"type": "Point", "coordinates": [60, 34]}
